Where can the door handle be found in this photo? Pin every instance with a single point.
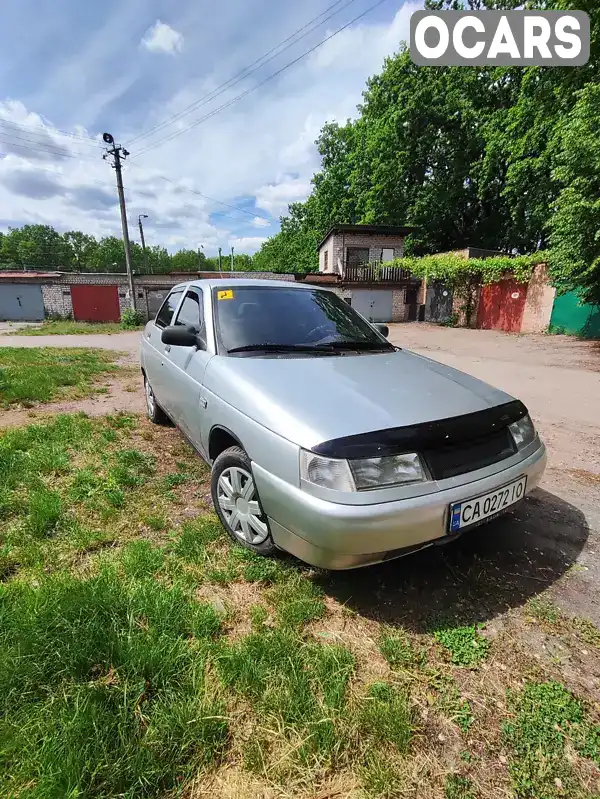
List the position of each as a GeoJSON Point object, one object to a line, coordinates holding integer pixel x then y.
{"type": "Point", "coordinates": [168, 348]}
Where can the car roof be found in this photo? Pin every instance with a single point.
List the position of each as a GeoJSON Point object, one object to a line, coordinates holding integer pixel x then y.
{"type": "Point", "coordinates": [210, 283]}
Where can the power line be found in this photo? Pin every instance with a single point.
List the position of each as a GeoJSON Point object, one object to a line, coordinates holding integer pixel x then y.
{"type": "Point", "coordinates": [205, 196]}
{"type": "Point", "coordinates": [55, 152]}
{"type": "Point", "coordinates": [109, 185]}
{"type": "Point", "coordinates": [83, 138]}
{"type": "Point", "coordinates": [260, 62]}
{"type": "Point", "coordinates": [258, 85]}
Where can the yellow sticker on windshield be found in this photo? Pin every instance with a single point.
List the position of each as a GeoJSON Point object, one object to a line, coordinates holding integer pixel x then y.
{"type": "Point", "coordinates": [226, 294]}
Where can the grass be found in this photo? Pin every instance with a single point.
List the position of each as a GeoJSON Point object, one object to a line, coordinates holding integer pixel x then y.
{"type": "Point", "coordinates": [547, 721]}
{"type": "Point", "coordinates": [142, 654]}
{"type": "Point", "coordinates": [68, 327]}
{"type": "Point", "coordinates": [33, 375]}
{"type": "Point", "coordinates": [464, 643]}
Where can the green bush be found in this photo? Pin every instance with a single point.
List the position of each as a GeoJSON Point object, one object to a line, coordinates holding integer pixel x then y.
{"type": "Point", "coordinates": [131, 319]}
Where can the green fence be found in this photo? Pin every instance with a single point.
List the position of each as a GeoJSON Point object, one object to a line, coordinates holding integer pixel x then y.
{"type": "Point", "coordinates": [570, 316]}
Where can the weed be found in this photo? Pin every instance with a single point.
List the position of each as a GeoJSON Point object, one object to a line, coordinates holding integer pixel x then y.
{"type": "Point", "coordinates": [465, 645]}
{"type": "Point", "coordinates": [379, 776]}
{"type": "Point", "coordinates": [171, 481]}
{"type": "Point", "coordinates": [546, 715]}
{"type": "Point", "coordinates": [453, 706]}
{"type": "Point", "coordinates": [68, 327]}
{"type": "Point", "coordinates": [297, 601]}
{"type": "Point", "coordinates": [157, 523]}
{"type": "Point", "coordinates": [458, 787]}
{"type": "Point", "coordinates": [259, 569]}
{"type": "Point", "coordinates": [397, 649]}
{"type": "Point", "coordinates": [131, 319]}
{"type": "Point", "coordinates": [544, 609]}
{"type": "Point", "coordinates": [387, 716]}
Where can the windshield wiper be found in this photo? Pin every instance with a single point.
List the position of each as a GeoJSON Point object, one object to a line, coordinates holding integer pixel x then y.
{"type": "Point", "coordinates": [276, 348]}
{"type": "Point", "coordinates": [354, 345]}
{"type": "Point", "coordinates": [330, 346]}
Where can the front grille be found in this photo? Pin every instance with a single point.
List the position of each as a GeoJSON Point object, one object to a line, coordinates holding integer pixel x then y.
{"type": "Point", "coordinates": [467, 456]}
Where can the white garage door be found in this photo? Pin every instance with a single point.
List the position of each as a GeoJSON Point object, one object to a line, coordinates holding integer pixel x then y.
{"type": "Point", "coordinates": [21, 302]}
{"type": "Point", "coordinates": [376, 305]}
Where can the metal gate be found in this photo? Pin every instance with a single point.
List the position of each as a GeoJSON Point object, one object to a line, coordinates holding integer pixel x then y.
{"type": "Point", "coordinates": [21, 302]}
{"type": "Point", "coordinates": [95, 303]}
{"type": "Point", "coordinates": [438, 304]}
{"type": "Point", "coordinates": [501, 306]}
{"type": "Point", "coordinates": [154, 299]}
{"type": "Point", "coordinates": [376, 306]}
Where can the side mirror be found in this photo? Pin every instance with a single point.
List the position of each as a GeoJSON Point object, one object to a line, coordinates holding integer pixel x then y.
{"type": "Point", "coordinates": [383, 329]}
{"type": "Point", "coordinates": [179, 336]}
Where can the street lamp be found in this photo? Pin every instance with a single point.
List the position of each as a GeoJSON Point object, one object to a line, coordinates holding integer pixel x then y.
{"type": "Point", "coordinates": [140, 217]}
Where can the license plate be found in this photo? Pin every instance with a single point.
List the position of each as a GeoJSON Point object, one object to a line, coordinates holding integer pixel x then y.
{"type": "Point", "coordinates": [471, 511]}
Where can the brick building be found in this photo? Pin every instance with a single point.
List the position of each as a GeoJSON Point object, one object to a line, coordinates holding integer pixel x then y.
{"type": "Point", "coordinates": [356, 257]}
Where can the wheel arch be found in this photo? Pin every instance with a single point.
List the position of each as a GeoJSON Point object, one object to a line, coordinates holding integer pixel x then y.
{"type": "Point", "coordinates": [221, 438]}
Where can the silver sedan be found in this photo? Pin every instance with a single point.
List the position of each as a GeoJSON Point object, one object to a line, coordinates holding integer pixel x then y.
{"type": "Point", "coordinates": [324, 439]}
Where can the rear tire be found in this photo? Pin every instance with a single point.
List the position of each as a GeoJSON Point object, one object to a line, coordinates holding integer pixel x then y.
{"type": "Point", "coordinates": [153, 409]}
{"type": "Point", "coordinates": [237, 503]}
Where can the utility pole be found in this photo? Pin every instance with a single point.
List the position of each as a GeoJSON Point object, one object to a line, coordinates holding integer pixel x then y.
{"type": "Point", "coordinates": [140, 217]}
{"type": "Point", "coordinates": [117, 153]}
{"type": "Point", "coordinates": [232, 259]}
{"type": "Point", "coordinates": [219, 259]}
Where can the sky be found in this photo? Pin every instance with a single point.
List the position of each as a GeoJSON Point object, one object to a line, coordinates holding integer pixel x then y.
{"type": "Point", "coordinates": [163, 77]}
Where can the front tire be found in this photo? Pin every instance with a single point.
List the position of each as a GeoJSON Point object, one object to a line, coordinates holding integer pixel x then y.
{"type": "Point", "coordinates": [237, 504]}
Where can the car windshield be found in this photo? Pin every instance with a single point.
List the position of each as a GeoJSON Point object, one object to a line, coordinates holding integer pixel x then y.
{"type": "Point", "coordinates": [251, 318]}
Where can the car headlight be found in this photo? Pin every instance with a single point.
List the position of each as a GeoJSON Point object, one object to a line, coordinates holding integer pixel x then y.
{"type": "Point", "coordinates": [360, 475]}
{"type": "Point", "coordinates": [522, 431]}
{"type": "Point", "coordinates": [326, 472]}
{"type": "Point", "coordinates": [388, 471]}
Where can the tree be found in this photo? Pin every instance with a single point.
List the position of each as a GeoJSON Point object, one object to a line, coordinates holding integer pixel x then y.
{"type": "Point", "coordinates": [575, 226]}
{"type": "Point", "coordinates": [83, 248]}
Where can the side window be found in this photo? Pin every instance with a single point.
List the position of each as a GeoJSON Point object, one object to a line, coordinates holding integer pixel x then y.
{"type": "Point", "coordinates": [164, 316]}
{"type": "Point", "coordinates": [190, 312]}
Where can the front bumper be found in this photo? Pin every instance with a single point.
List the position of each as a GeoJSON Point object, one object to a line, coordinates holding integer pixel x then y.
{"type": "Point", "coordinates": [335, 536]}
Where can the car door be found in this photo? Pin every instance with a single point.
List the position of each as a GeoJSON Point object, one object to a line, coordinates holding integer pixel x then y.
{"type": "Point", "coordinates": [185, 367]}
{"type": "Point", "coordinates": [155, 350]}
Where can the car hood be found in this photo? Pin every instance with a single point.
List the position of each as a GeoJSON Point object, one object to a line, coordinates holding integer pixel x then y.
{"type": "Point", "coordinates": [315, 399]}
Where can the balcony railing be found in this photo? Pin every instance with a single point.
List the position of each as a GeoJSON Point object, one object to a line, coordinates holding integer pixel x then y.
{"type": "Point", "coordinates": [375, 273]}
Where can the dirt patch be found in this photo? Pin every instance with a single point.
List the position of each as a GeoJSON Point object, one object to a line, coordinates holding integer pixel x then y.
{"type": "Point", "coordinates": [123, 391]}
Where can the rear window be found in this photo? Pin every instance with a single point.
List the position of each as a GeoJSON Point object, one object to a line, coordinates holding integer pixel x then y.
{"type": "Point", "coordinates": [165, 315]}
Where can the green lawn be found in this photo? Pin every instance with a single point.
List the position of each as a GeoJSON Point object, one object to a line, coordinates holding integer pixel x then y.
{"type": "Point", "coordinates": [33, 375]}
{"type": "Point", "coordinates": [143, 655]}
{"type": "Point", "coordinates": [68, 327]}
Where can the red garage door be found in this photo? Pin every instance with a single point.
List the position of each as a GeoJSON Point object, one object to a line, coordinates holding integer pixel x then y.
{"type": "Point", "coordinates": [501, 306]}
{"type": "Point", "coordinates": [95, 303]}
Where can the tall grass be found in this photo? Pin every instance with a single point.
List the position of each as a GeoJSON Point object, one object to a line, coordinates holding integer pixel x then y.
{"type": "Point", "coordinates": [103, 689]}
{"type": "Point", "coordinates": [31, 375]}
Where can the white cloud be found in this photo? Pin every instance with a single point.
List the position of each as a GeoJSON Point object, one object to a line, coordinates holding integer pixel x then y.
{"type": "Point", "coordinates": [276, 197]}
{"type": "Point", "coordinates": [162, 38]}
{"type": "Point", "coordinates": [249, 244]}
{"type": "Point", "coordinates": [258, 153]}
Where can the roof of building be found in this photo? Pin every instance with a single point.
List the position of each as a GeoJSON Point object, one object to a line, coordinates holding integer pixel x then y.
{"type": "Point", "coordinates": [27, 275]}
{"type": "Point", "coordinates": [376, 230]}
